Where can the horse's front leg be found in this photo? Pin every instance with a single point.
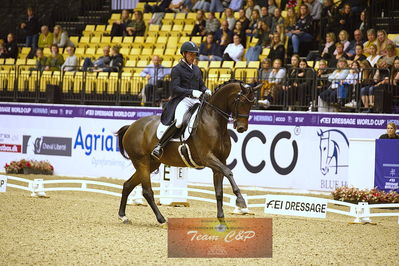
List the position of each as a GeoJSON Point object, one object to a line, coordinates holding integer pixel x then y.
{"type": "Point", "coordinates": [218, 184]}
{"type": "Point", "coordinates": [215, 164]}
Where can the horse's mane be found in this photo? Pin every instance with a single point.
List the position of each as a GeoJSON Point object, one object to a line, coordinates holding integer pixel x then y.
{"type": "Point", "coordinates": [228, 82]}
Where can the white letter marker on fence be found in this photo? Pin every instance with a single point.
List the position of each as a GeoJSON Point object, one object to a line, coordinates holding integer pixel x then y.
{"type": "Point", "coordinates": [3, 183]}
{"type": "Point", "coordinates": [173, 189]}
{"type": "Point", "coordinates": [296, 205]}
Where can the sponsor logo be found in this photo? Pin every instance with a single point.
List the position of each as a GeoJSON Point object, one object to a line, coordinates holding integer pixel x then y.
{"type": "Point", "coordinates": [47, 145]}
{"type": "Point", "coordinates": [330, 150]}
{"type": "Point", "coordinates": [89, 142]}
{"type": "Point", "coordinates": [296, 205]}
{"type": "Point", "coordinates": [10, 148]}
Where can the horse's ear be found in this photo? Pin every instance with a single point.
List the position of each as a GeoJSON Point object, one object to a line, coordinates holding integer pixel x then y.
{"type": "Point", "coordinates": [320, 133]}
{"type": "Point", "coordinates": [257, 87]}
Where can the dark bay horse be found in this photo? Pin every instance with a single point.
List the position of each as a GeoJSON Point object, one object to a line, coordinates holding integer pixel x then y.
{"type": "Point", "coordinates": [210, 145]}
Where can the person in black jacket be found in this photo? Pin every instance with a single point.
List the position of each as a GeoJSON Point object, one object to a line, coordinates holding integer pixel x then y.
{"type": "Point", "coordinates": [116, 63]}
{"type": "Point", "coordinates": [302, 31]}
{"type": "Point", "coordinates": [210, 50]}
{"type": "Point", "coordinates": [277, 49]}
{"type": "Point", "coordinates": [32, 28]}
{"type": "Point", "coordinates": [187, 86]}
{"type": "Point", "coordinates": [391, 132]}
{"type": "Point", "coordinates": [11, 46]}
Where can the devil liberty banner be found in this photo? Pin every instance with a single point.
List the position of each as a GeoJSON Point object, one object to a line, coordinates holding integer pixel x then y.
{"type": "Point", "coordinates": [387, 165]}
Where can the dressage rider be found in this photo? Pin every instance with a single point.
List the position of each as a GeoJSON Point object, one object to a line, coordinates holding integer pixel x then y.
{"type": "Point", "coordinates": [187, 86]}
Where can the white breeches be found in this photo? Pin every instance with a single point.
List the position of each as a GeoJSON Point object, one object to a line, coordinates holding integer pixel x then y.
{"type": "Point", "coordinates": [182, 108]}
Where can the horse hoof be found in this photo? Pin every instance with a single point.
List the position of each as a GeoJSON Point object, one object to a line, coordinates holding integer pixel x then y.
{"type": "Point", "coordinates": [125, 220]}
{"type": "Point", "coordinates": [164, 225]}
{"type": "Point", "coordinates": [241, 203]}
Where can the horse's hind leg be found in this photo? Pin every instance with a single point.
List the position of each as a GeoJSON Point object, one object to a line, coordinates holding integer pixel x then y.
{"type": "Point", "coordinates": [128, 187]}
{"type": "Point", "coordinates": [145, 168]}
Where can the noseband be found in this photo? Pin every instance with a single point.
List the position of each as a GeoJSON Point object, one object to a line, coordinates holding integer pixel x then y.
{"type": "Point", "coordinates": [240, 97]}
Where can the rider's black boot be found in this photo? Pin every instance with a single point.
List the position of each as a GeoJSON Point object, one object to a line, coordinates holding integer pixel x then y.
{"type": "Point", "coordinates": [167, 135]}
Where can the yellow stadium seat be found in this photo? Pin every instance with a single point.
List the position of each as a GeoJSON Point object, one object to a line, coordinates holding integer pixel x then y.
{"type": "Point", "coordinates": [158, 51]}
{"type": "Point", "coordinates": [116, 16]}
{"type": "Point", "coordinates": [31, 62]}
{"type": "Point", "coordinates": [130, 63]}
{"type": "Point", "coordinates": [139, 39]}
{"type": "Point", "coordinates": [100, 28]}
{"type": "Point", "coordinates": [2, 61]}
{"type": "Point", "coordinates": [188, 28]}
{"type": "Point", "coordinates": [184, 39]}
{"type": "Point", "coordinates": [128, 40]}
{"type": "Point", "coordinates": [236, 15]}
{"type": "Point", "coordinates": [96, 40]}
{"type": "Point", "coordinates": [45, 79]}
{"type": "Point", "coordinates": [67, 81]}
{"type": "Point", "coordinates": [192, 15]}
{"type": "Point", "coordinates": [135, 57]}
{"type": "Point", "coordinates": [108, 29]}
{"type": "Point", "coordinates": [170, 51]}
{"type": "Point", "coordinates": [77, 83]}
{"type": "Point", "coordinates": [106, 40]}
{"type": "Point", "coordinates": [167, 63]}
{"type": "Point", "coordinates": [102, 82]}
{"type": "Point", "coordinates": [175, 62]}
{"type": "Point", "coordinates": [397, 51]}
{"type": "Point", "coordinates": [177, 29]}
{"type": "Point", "coordinates": [266, 51]}
{"type": "Point", "coordinates": [135, 51]}
{"type": "Point", "coordinates": [116, 40]}
{"type": "Point", "coordinates": [169, 16]}
{"type": "Point", "coordinates": [392, 36]}
{"type": "Point", "coordinates": [23, 80]}
{"type": "Point", "coordinates": [25, 50]}
{"type": "Point", "coordinates": [126, 80]}
{"type": "Point", "coordinates": [91, 79]}
{"type": "Point", "coordinates": [203, 64]}
{"type": "Point", "coordinates": [90, 52]}
{"type": "Point", "coordinates": [154, 27]}
{"type": "Point", "coordinates": [253, 64]}
{"type": "Point", "coordinates": [196, 39]}
{"type": "Point", "coordinates": [215, 64]}
{"type": "Point", "coordinates": [180, 15]}
{"type": "Point", "coordinates": [113, 83]}
{"type": "Point", "coordinates": [228, 64]}
{"type": "Point", "coordinates": [172, 42]}
{"type": "Point", "coordinates": [124, 51]}
{"type": "Point", "coordinates": [166, 28]}
{"type": "Point", "coordinates": [80, 51]}
{"type": "Point", "coordinates": [240, 64]}
{"type": "Point", "coordinates": [89, 30]}
{"type": "Point", "coordinates": [147, 17]}
{"type": "Point", "coordinates": [99, 51]}
{"type": "Point", "coordinates": [162, 40]}
{"type": "Point", "coordinates": [142, 63]}
{"type": "Point", "coordinates": [74, 39]}
{"type": "Point", "coordinates": [284, 13]}
{"type": "Point", "coordinates": [146, 51]}
{"type": "Point", "coordinates": [20, 61]}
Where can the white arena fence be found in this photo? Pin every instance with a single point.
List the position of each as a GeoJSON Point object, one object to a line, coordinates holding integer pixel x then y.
{"type": "Point", "coordinates": [362, 212]}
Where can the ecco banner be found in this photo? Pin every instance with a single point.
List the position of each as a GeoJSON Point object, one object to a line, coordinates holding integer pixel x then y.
{"type": "Point", "coordinates": [296, 206]}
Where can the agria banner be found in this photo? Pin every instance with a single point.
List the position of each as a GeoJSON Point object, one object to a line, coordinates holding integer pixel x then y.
{"type": "Point", "coordinates": [296, 150]}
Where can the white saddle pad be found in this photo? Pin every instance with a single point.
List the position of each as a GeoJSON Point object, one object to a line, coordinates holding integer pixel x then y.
{"type": "Point", "coordinates": [161, 128]}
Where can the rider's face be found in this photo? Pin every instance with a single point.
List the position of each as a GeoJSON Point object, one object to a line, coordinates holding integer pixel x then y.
{"type": "Point", "coordinates": [190, 57]}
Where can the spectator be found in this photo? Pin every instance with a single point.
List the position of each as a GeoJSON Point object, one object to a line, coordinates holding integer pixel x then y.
{"type": "Point", "coordinates": [326, 51]}
{"type": "Point", "coordinates": [346, 19]}
{"type": "Point", "coordinates": [250, 7]}
{"type": "Point", "coordinates": [199, 27]}
{"type": "Point", "coordinates": [210, 50]}
{"type": "Point", "coordinates": [359, 56]}
{"type": "Point", "coordinates": [330, 95]}
{"type": "Point", "coordinates": [344, 39]}
{"type": "Point", "coordinates": [381, 81]}
{"type": "Point", "coordinates": [238, 30]}
{"type": "Point", "coordinates": [216, 6]}
{"type": "Point", "coordinates": [265, 70]}
{"type": "Point", "coordinates": [277, 49]}
{"type": "Point", "coordinates": [254, 24]}
{"type": "Point", "coordinates": [395, 74]}
{"type": "Point", "coordinates": [31, 28]}
{"type": "Point", "coordinates": [157, 87]}
{"type": "Point", "coordinates": [316, 8]}
{"type": "Point", "coordinates": [373, 57]}
{"type": "Point", "coordinates": [390, 57]}
{"type": "Point", "coordinates": [224, 35]}
{"type": "Point", "coordinates": [136, 27]}
{"type": "Point", "coordinates": [322, 74]}
{"type": "Point", "coordinates": [302, 31]}
{"type": "Point", "coordinates": [339, 47]}
{"type": "Point", "coordinates": [116, 61]}
{"type": "Point", "coordinates": [347, 87]}
{"type": "Point", "coordinates": [358, 39]}
{"type": "Point", "coordinates": [60, 37]}
{"type": "Point", "coordinates": [302, 84]}
{"type": "Point", "coordinates": [162, 7]}
{"type": "Point", "coordinates": [292, 73]}
{"type": "Point", "coordinates": [176, 6]}
{"type": "Point", "coordinates": [276, 20]}
{"type": "Point", "coordinates": [328, 17]}
{"type": "Point", "coordinates": [119, 27]}
{"type": "Point", "coordinates": [3, 50]}
{"type": "Point", "coordinates": [391, 132]}
{"type": "Point", "coordinates": [202, 5]}
{"type": "Point", "coordinates": [266, 17]}
{"type": "Point", "coordinates": [72, 62]}
{"type": "Point", "coordinates": [212, 24]}
{"type": "Point", "coordinates": [363, 26]}
{"type": "Point", "coordinates": [235, 50]}
{"type": "Point", "coordinates": [12, 46]}
{"type": "Point", "coordinates": [371, 39]}
{"type": "Point", "coordinates": [45, 38]}
{"type": "Point", "coordinates": [243, 19]}
{"type": "Point", "coordinates": [382, 42]}
{"type": "Point", "coordinates": [102, 61]}
{"type": "Point", "coordinates": [290, 20]}
{"type": "Point", "coordinates": [271, 6]}
{"type": "Point", "coordinates": [40, 60]}
{"type": "Point", "coordinates": [230, 18]}
{"type": "Point", "coordinates": [271, 90]}
{"type": "Point", "coordinates": [263, 35]}
{"type": "Point", "coordinates": [55, 60]}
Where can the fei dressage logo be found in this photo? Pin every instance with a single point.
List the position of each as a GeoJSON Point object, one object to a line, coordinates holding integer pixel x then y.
{"type": "Point", "coordinates": [208, 238]}
{"type": "Point", "coordinates": [330, 150]}
{"type": "Point", "coordinates": [47, 145]}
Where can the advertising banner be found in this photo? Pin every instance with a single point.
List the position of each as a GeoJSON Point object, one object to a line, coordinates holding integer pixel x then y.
{"type": "Point", "coordinates": [301, 150]}
{"type": "Point", "coordinates": [386, 165]}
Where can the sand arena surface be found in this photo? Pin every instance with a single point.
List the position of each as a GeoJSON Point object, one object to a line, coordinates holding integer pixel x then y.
{"type": "Point", "coordinates": [82, 228]}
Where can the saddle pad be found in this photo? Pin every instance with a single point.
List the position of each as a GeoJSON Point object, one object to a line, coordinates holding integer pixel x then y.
{"type": "Point", "coordinates": [161, 129]}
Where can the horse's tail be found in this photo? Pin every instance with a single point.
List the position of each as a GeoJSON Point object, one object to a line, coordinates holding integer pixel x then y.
{"type": "Point", "coordinates": [121, 132]}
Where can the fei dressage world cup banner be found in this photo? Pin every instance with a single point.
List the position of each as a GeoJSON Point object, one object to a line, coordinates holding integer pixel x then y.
{"type": "Point", "coordinates": [387, 165]}
{"type": "Point", "coordinates": [283, 150]}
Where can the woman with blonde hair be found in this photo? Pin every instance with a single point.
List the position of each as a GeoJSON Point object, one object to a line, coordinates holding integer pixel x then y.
{"type": "Point", "coordinates": [290, 20]}
{"type": "Point", "coordinates": [373, 57]}
{"type": "Point", "coordinates": [344, 39]}
{"type": "Point", "coordinates": [382, 42]}
{"type": "Point", "coordinates": [391, 132]}
{"type": "Point", "coordinates": [60, 37]}
{"type": "Point", "coordinates": [340, 74]}
{"type": "Point", "coordinates": [270, 91]}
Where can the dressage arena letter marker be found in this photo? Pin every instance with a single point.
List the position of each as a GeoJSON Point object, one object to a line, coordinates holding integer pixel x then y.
{"type": "Point", "coordinates": [3, 183]}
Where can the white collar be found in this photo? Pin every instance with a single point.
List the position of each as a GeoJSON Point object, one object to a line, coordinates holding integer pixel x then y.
{"type": "Point", "coordinates": [190, 66]}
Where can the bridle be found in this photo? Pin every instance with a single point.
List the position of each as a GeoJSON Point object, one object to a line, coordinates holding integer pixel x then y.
{"type": "Point", "coordinates": [240, 97]}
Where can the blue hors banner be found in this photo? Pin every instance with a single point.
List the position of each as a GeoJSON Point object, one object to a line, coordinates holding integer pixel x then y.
{"type": "Point", "coordinates": [387, 165]}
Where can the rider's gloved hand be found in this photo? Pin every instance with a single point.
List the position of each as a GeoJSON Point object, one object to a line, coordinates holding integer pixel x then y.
{"type": "Point", "coordinates": [208, 92]}
{"type": "Point", "coordinates": [196, 93]}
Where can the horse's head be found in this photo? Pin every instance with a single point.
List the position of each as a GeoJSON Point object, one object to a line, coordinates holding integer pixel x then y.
{"type": "Point", "coordinates": [241, 106]}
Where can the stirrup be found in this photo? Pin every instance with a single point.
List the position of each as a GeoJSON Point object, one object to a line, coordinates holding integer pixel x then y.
{"type": "Point", "coordinates": [157, 152]}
